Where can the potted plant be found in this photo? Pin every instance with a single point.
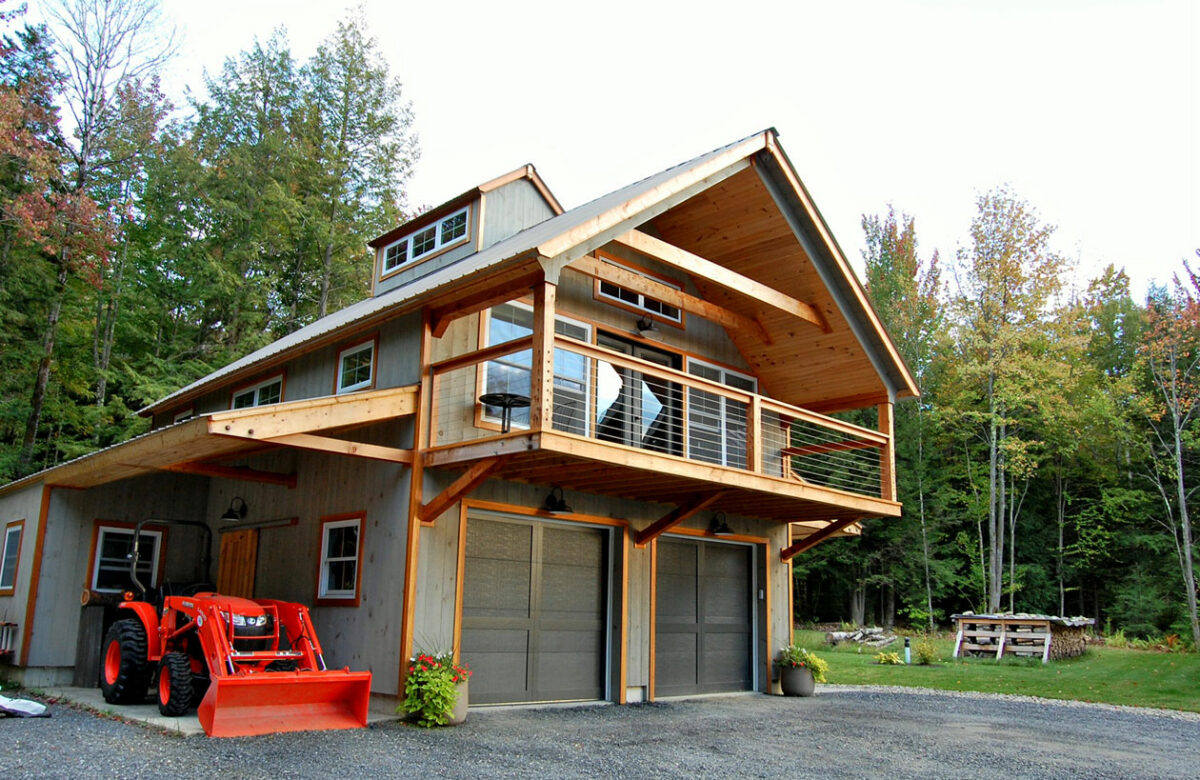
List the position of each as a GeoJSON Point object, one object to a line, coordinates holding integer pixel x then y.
{"type": "Point", "coordinates": [799, 670]}
{"type": "Point", "coordinates": [435, 692]}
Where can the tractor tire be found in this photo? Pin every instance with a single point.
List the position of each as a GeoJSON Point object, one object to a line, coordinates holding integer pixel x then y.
{"type": "Point", "coordinates": [124, 670]}
{"type": "Point", "coordinates": [174, 684]}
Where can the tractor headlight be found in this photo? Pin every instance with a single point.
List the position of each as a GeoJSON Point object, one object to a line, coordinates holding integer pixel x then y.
{"type": "Point", "coordinates": [239, 620]}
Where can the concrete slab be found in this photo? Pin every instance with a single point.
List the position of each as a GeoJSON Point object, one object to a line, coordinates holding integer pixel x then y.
{"type": "Point", "coordinates": [188, 725]}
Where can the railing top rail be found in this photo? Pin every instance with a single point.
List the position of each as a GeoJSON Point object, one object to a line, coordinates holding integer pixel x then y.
{"type": "Point", "coordinates": [827, 422]}
{"type": "Point", "coordinates": [482, 355]}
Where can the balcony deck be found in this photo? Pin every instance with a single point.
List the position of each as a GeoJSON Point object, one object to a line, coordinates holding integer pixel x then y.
{"type": "Point", "coordinates": [629, 428]}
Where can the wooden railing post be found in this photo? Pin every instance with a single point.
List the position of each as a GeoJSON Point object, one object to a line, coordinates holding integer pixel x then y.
{"type": "Point", "coordinates": [887, 454]}
{"type": "Point", "coordinates": [541, 380]}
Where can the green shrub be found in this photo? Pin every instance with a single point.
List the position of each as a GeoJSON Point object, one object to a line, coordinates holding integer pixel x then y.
{"type": "Point", "coordinates": [431, 688]}
{"type": "Point", "coordinates": [926, 651]}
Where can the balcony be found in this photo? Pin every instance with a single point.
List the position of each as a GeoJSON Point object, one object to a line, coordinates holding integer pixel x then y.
{"type": "Point", "coordinates": [620, 425]}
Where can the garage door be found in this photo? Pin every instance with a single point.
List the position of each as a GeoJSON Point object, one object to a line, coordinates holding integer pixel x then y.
{"type": "Point", "coordinates": [535, 598]}
{"type": "Point", "coordinates": [704, 619]}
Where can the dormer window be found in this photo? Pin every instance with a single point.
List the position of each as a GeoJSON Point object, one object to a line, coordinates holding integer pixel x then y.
{"type": "Point", "coordinates": [428, 240]}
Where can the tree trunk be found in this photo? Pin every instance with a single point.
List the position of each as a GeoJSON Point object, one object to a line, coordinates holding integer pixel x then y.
{"type": "Point", "coordinates": [1189, 574]}
{"type": "Point", "coordinates": [25, 463]}
{"type": "Point", "coordinates": [858, 604]}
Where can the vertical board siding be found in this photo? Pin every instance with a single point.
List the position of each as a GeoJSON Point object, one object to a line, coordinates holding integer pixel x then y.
{"type": "Point", "coordinates": [24, 504]}
{"type": "Point", "coordinates": [512, 208]}
{"type": "Point", "coordinates": [68, 545]}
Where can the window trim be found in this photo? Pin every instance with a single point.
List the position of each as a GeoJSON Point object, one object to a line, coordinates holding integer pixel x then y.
{"type": "Point", "coordinates": [492, 423]}
{"type": "Point", "coordinates": [322, 597]}
{"type": "Point", "coordinates": [439, 245]}
{"type": "Point", "coordinates": [280, 377]}
{"type": "Point", "coordinates": [157, 567]}
{"type": "Point", "coordinates": [17, 526]}
{"type": "Point", "coordinates": [373, 344]}
{"type": "Point", "coordinates": [637, 308]}
{"type": "Point", "coordinates": [185, 414]}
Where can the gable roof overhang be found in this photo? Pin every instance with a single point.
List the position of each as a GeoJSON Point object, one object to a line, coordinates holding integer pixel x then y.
{"type": "Point", "coordinates": [196, 444]}
{"type": "Point", "coordinates": [545, 249]}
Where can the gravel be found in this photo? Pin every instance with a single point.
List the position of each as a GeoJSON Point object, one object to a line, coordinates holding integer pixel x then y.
{"type": "Point", "coordinates": [843, 731]}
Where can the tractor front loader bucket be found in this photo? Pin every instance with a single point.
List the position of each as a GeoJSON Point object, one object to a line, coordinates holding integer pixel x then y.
{"type": "Point", "coordinates": [269, 702]}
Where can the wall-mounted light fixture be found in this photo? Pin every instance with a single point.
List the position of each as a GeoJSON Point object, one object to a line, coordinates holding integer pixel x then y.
{"type": "Point", "coordinates": [647, 328]}
{"type": "Point", "coordinates": [555, 504]}
{"type": "Point", "coordinates": [718, 527]}
{"type": "Point", "coordinates": [237, 510]}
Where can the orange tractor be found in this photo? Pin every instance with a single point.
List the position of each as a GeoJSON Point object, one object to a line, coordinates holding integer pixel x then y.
{"type": "Point", "coordinates": [253, 666]}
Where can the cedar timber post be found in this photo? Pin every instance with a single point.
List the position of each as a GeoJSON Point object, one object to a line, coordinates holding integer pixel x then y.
{"type": "Point", "coordinates": [887, 454]}
{"type": "Point", "coordinates": [415, 497]}
{"type": "Point", "coordinates": [541, 385]}
{"type": "Point", "coordinates": [754, 450]}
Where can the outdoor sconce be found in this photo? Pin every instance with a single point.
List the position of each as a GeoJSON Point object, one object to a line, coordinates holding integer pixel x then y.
{"type": "Point", "coordinates": [236, 511]}
{"type": "Point", "coordinates": [555, 504]}
{"type": "Point", "coordinates": [647, 329]}
{"type": "Point", "coordinates": [718, 527]}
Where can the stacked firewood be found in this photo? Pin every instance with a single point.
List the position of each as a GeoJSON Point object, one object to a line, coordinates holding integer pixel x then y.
{"type": "Point", "coordinates": [869, 636]}
{"type": "Point", "coordinates": [1067, 641]}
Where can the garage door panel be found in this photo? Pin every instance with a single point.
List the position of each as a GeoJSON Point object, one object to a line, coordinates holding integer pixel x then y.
{"type": "Point", "coordinates": [498, 663]}
{"type": "Point", "coordinates": [497, 589]}
{"type": "Point", "coordinates": [494, 539]}
{"type": "Point", "coordinates": [550, 582]}
{"type": "Point", "coordinates": [703, 617]}
{"type": "Point", "coordinates": [675, 663]}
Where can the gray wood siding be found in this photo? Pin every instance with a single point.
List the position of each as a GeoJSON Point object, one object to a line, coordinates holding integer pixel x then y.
{"type": "Point", "coordinates": [366, 637]}
{"type": "Point", "coordinates": [24, 504]}
{"type": "Point", "coordinates": [512, 208]}
{"type": "Point", "coordinates": [68, 541]}
{"type": "Point", "coordinates": [313, 375]}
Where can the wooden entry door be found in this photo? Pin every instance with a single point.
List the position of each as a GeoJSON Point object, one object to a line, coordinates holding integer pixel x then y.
{"type": "Point", "coordinates": [239, 559]}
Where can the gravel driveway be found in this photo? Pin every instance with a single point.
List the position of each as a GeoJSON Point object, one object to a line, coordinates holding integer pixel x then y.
{"type": "Point", "coordinates": [842, 732]}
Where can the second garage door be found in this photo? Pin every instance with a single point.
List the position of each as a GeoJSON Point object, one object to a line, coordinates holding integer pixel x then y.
{"type": "Point", "coordinates": [535, 601]}
{"type": "Point", "coordinates": [704, 621]}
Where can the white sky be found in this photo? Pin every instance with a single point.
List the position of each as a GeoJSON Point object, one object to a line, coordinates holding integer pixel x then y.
{"type": "Point", "coordinates": [1087, 108]}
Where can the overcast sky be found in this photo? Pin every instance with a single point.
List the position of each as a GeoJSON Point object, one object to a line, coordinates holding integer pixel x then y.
{"type": "Point", "coordinates": [1087, 109]}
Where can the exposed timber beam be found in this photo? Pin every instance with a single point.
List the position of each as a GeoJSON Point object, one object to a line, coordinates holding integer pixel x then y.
{"type": "Point", "coordinates": [271, 422]}
{"type": "Point", "coordinates": [810, 542]}
{"type": "Point", "coordinates": [674, 518]}
{"type": "Point", "coordinates": [467, 481]}
{"type": "Point", "coordinates": [440, 317]}
{"type": "Point", "coordinates": [233, 472]}
{"type": "Point", "coordinates": [307, 441]}
{"type": "Point", "coordinates": [691, 263]}
{"type": "Point", "coordinates": [598, 269]}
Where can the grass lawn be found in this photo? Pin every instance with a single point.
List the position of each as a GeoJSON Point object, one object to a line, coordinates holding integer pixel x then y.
{"type": "Point", "coordinates": [1138, 678]}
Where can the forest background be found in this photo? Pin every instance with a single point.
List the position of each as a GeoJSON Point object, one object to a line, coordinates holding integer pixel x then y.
{"type": "Point", "coordinates": [1049, 465]}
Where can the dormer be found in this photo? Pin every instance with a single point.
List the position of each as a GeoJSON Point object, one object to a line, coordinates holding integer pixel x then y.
{"type": "Point", "coordinates": [468, 223]}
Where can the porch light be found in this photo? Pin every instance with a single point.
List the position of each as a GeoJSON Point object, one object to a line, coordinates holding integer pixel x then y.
{"type": "Point", "coordinates": [647, 329]}
{"type": "Point", "coordinates": [556, 505]}
{"type": "Point", "coordinates": [236, 511]}
{"type": "Point", "coordinates": [718, 527]}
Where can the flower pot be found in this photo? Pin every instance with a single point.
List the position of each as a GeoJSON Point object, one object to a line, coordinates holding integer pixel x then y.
{"type": "Point", "coordinates": [459, 713]}
{"type": "Point", "coordinates": [796, 681]}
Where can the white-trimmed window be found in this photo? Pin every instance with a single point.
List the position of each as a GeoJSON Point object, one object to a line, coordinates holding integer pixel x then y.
{"type": "Point", "coordinates": [341, 556]}
{"type": "Point", "coordinates": [717, 424]}
{"type": "Point", "coordinates": [185, 414]}
{"type": "Point", "coordinates": [510, 373]}
{"type": "Point", "coordinates": [636, 300]}
{"type": "Point", "coordinates": [266, 392]}
{"type": "Point", "coordinates": [114, 556]}
{"type": "Point", "coordinates": [450, 230]}
{"type": "Point", "coordinates": [10, 555]}
{"type": "Point", "coordinates": [356, 367]}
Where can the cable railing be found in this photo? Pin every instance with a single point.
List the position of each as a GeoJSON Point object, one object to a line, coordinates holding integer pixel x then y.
{"type": "Point", "coordinates": [617, 399]}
